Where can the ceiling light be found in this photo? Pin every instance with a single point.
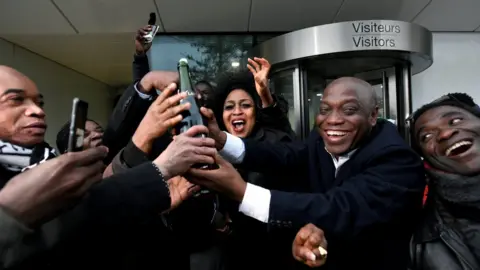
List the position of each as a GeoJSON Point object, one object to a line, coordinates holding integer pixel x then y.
{"type": "Point", "coordinates": [235, 64]}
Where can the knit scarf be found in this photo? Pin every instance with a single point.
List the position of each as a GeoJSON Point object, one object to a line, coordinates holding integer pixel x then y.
{"type": "Point", "coordinates": [16, 158]}
{"type": "Point", "coordinates": [460, 197]}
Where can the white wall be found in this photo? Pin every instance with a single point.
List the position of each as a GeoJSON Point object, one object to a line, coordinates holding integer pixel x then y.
{"type": "Point", "coordinates": [456, 68]}
{"type": "Point", "coordinates": [59, 85]}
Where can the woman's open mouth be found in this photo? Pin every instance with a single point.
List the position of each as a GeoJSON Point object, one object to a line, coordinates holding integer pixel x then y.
{"type": "Point", "coordinates": [458, 148]}
{"type": "Point", "coordinates": [238, 125]}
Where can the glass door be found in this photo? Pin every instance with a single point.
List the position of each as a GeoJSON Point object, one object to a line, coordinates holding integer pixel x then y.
{"type": "Point", "coordinates": [284, 84]}
{"type": "Point", "coordinates": [383, 82]}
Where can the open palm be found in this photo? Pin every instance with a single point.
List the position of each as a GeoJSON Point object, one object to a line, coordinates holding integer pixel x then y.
{"type": "Point", "coordinates": [260, 69]}
{"type": "Point", "coordinates": [180, 190]}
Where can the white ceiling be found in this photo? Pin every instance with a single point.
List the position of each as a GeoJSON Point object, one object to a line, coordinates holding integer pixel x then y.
{"type": "Point", "coordinates": [95, 37]}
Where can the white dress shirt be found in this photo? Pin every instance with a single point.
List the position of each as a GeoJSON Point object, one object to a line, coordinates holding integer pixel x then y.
{"type": "Point", "coordinates": [256, 200]}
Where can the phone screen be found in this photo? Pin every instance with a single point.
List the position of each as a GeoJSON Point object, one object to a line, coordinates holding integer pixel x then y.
{"type": "Point", "coordinates": [77, 125]}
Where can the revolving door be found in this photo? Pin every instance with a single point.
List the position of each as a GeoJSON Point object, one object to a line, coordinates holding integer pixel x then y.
{"type": "Point", "coordinates": [384, 53]}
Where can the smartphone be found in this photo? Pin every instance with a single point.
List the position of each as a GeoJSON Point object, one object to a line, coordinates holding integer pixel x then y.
{"type": "Point", "coordinates": [148, 38]}
{"type": "Point", "coordinates": [77, 125]}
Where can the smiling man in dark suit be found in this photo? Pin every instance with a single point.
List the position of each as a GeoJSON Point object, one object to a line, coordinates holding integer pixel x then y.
{"type": "Point", "coordinates": [366, 183]}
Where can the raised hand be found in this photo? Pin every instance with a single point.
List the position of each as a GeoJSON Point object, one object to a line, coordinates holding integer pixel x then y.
{"type": "Point", "coordinates": [164, 113]}
{"type": "Point", "coordinates": [141, 47]}
{"type": "Point", "coordinates": [214, 131]}
{"type": "Point", "coordinates": [157, 80]}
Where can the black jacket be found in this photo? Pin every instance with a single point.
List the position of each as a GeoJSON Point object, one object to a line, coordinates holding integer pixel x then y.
{"type": "Point", "coordinates": [436, 245]}
{"type": "Point", "coordinates": [73, 240]}
{"type": "Point", "coordinates": [367, 211]}
{"type": "Point", "coordinates": [251, 241]}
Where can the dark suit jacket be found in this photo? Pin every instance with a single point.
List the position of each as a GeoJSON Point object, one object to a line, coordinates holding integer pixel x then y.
{"type": "Point", "coordinates": [367, 211]}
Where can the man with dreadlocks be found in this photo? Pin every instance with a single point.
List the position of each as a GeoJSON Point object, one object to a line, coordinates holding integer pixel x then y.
{"type": "Point", "coordinates": [446, 132]}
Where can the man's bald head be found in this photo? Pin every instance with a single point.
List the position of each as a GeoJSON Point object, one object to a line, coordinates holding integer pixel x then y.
{"type": "Point", "coordinates": [22, 119]}
{"type": "Point", "coordinates": [12, 78]}
{"type": "Point", "coordinates": [365, 91]}
{"type": "Point", "coordinates": [348, 111]}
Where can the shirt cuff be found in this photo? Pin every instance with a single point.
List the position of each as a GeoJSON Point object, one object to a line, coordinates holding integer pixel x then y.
{"type": "Point", "coordinates": [256, 203]}
{"type": "Point", "coordinates": [233, 150]}
{"type": "Point", "coordinates": [142, 95]}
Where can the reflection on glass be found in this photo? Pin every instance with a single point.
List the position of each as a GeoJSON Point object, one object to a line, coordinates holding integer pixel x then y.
{"type": "Point", "coordinates": [315, 86]}
{"type": "Point", "coordinates": [209, 55]}
{"type": "Point", "coordinates": [379, 92]}
{"type": "Point", "coordinates": [282, 86]}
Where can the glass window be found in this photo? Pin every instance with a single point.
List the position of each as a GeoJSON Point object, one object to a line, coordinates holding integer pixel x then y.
{"type": "Point", "coordinates": [281, 84]}
{"type": "Point", "coordinates": [208, 55]}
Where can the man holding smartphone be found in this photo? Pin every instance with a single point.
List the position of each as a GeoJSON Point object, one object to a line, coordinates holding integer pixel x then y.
{"type": "Point", "coordinates": [57, 207]}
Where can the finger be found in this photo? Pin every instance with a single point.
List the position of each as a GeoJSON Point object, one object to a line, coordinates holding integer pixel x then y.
{"type": "Point", "coordinates": [195, 180]}
{"type": "Point", "coordinates": [302, 236]}
{"type": "Point", "coordinates": [252, 70]}
{"type": "Point", "coordinates": [88, 156]}
{"type": "Point", "coordinates": [200, 176]}
{"type": "Point", "coordinates": [142, 32]}
{"type": "Point", "coordinates": [202, 159]}
{"type": "Point", "coordinates": [208, 113]}
{"type": "Point", "coordinates": [200, 142]}
{"type": "Point", "coordinates": [219, 160]}
{"type": "Point", "coordinates": [171, 122]}
{"type": "Point", "coordinates": [82, 177]}
{"type": "Point", "coordinates": [167, 92]}
{"type": "Point", "coordinates": [262, 61]}
{"type": "Point", "coordinates": [305, 254]}
{"type": "Point", "coordinates": [254, 64]}
{"type": "Point", "coordinates": [195, 130]}
{"type": "Point", "coordinates": [171, 102]}
{"type": "Point", "coordinates": [93, 174]}
{"type": "Point", "coordinates": [314, 240]}
{"type": "Point", "coordinates": [193, 189]}
{"type": "Point", "coordinates": [162, 79]}
{"type": "Point", "coordinates": [147, 28]}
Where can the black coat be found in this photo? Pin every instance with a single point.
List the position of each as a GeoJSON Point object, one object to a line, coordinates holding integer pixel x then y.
{"type": "Point", "coordinates": [436, 245]}
{"type": "Point", "coordinates": [75, 239]}
{"type": "Point", "coordinates": [367, 211]}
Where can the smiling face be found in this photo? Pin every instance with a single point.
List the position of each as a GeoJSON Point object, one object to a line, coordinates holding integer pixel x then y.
{"type": "Point", "coordinates": [451, 136]}
{"type": "Point", "coordinates": [239, 113]}
{"type": "Point", "coordinates": [348, 111]}
{"type": "Point", "coordinates": [22, 119]}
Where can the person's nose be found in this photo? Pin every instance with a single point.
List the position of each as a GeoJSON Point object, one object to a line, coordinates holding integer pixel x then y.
{"type": "Point", "coordinates": [34, 110]}
{"type": "Point", "coordinates": [334, 118]}
{"type": "Point", "coordinates": [446, 133]}
{"type": "Point", "coordinates": [237, 111]}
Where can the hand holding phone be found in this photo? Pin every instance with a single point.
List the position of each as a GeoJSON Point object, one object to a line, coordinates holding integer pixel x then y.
{"type": "Point", "coordinates": [77, 125]}
{"type": "Point", "coordinates": [148, 38]}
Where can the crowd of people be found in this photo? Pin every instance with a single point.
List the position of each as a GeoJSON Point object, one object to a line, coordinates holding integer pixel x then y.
{"type": "Point", "coordinates": [132, 199]}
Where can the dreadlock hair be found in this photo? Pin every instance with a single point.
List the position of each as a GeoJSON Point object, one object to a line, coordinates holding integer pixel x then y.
{"type": "Point", "coordinates": [63, 134]}
{"type": "Point", "coordinates": [461, 100]}
{"type": "Point", "coordinates": [226, 84]}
